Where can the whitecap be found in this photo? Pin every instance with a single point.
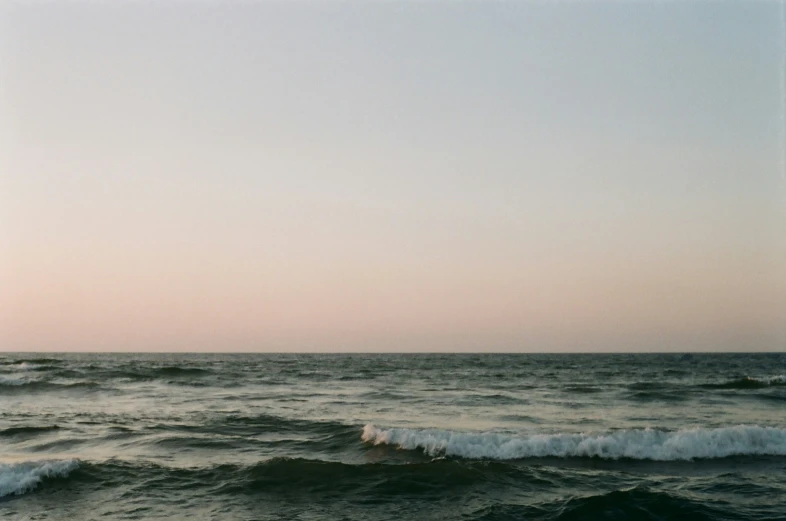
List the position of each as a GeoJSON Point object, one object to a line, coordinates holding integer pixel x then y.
{"type": "Point", "coordinates": [772, 380]}
{"type": "Point", "coordinates": [14, 380]}
{"type": "Point", "coordinates": [18, 478]}
{"type": "Point", "coordinates": [641, 444]}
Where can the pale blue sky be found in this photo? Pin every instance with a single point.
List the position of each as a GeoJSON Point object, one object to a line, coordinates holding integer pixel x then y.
{"type": "Point", "coordinates": [392, 176]}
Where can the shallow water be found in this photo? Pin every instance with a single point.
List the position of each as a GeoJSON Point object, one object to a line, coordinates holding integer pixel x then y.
{"type": "Point", "coordinates": [470, 437]}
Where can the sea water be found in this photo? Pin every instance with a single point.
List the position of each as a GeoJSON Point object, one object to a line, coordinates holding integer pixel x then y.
{"type": "Point", "coordinates": [393, 436]}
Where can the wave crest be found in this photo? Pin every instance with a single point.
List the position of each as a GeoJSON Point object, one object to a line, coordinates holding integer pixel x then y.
{"type": "Point", "coordinates": [22, 385]}
{"type": "Point", "coordinates": [645, 444]}
{"type": "Point", "coordinates": [18, 478]}
{"type": "Point", "coordinates": [750, 382]}
{"type": "Point", "coordinates": [27, 430]}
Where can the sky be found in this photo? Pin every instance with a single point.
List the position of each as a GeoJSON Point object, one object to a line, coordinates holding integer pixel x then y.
{"type": "Point", "coordinates": [392, 176]}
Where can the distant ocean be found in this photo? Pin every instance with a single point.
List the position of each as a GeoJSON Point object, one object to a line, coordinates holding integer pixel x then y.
{"type": "Point", "coordinates": [393, 437]}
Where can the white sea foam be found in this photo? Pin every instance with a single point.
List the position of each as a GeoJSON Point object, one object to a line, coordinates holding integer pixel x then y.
{"type": "Point", "coordinates": [644, 444]}
{"type": "Point", "coordinates": [14, 379]}
{"type": "Point", "coordinates": [24, 366]}
{"type": "Point", "coordinates": [18, 478]}
{"type": "Point", "coordinates": [772, 380]}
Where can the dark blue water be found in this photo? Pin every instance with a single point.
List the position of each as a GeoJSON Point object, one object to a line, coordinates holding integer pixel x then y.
{"type": "Point", "coordinates": [433, 437]}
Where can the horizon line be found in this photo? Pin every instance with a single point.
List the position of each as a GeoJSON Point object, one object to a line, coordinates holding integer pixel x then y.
{"type": "Point", "coordinates": [393, 352]}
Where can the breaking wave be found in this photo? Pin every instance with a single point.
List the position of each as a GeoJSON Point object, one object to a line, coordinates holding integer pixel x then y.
{"type": "Point", "coordinates": [14, 380]}
{"type": "Point", "coordinates": [18, 478]}
{"type": "Point", "coordinates": [750, 383]}
{"type": "Point", "coordinates": [644, 444]}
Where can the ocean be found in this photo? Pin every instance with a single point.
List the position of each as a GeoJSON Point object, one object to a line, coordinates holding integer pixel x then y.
{"type": "Point", "coordinates": [393, 436]}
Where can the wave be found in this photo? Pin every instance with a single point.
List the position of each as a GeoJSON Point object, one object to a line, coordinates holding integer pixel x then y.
{"type": "Point", "coordinates": [146, 374]}
{"type": "Point", "coordinates": [12, 385]}
{"type": "Point", "coordinates": [30, 430]}
{"type": "Point", "coordinates": [646, 444]}
{"type": "Point", "coordinates": [314, 477]}
{"type": "Point", "coordinates": [632, 503]}
{"type": "Point", "coordinates": [661, 396]}
{"type": "Point", "coordinates": [35, 361]}
{"type": "Point", "coordinates": [636, 503]}
{"type": "Point", "coordinates": [33, 381]}
{"type": "Point", "coordinates": [750, 383]}
{"type": "Point", "coordinates": [179, 371]}
{"type": "Point", "coordinates": [288, 476]}
{"type": "Point", "coordinates": [14, 381]}
{"type": "Point", "coordinates": [25, 366]}
{"type": "Point", "coordinates": [582, 389]}
{"type": "Point", "coordinates": [18, 478]}
{"type": "Point", "coordinates": [238, 432]}
{"type": "Point", "coordinates": [362, 483]}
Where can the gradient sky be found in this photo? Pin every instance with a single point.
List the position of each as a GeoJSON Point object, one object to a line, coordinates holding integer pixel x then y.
{"type": "Point", "coordinates": [392, 176]}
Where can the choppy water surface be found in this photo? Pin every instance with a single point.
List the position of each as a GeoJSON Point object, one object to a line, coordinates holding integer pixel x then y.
{"type": "Point", "coordinates": [438, 437]}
